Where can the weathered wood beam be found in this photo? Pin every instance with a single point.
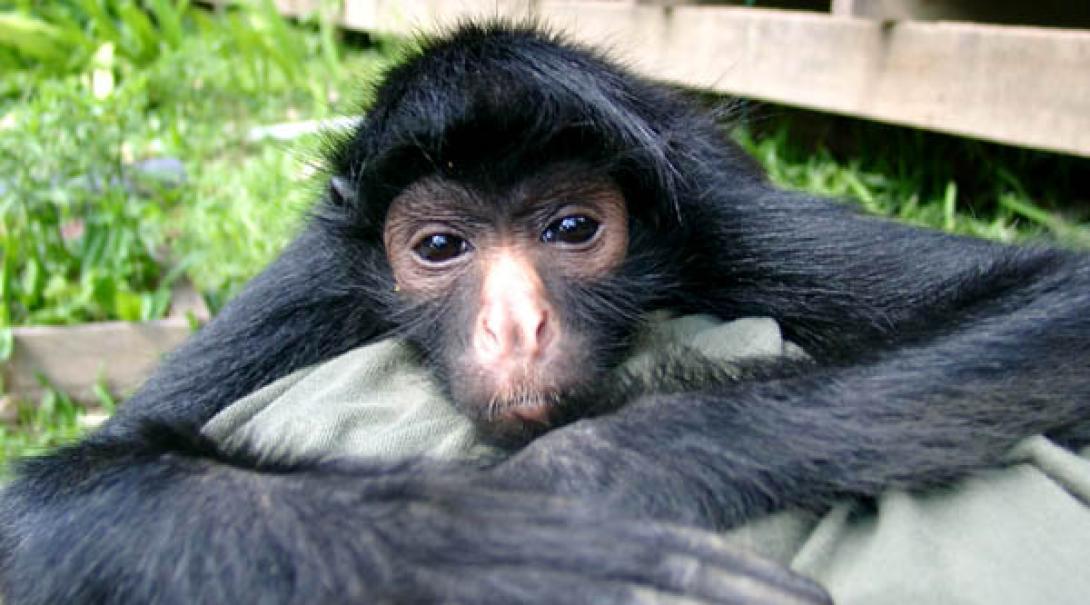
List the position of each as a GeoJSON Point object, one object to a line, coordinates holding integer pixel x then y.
{"type": "Point", "coordinates": [75, 358]}
{"type": "Point", "coordinates": [1018, 85]}
{"type": "Point", "coordinates": [1038, 12]}
{"type": "Point", "coordinates": [116, 353]}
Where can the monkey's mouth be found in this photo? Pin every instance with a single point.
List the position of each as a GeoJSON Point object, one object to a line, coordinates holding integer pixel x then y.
{"type": "Point", "coordinates": [535, 408]}
{"type": "Point", "coordinates": [512, 420]}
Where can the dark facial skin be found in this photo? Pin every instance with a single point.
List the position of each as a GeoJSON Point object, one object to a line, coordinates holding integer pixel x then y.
{"type": "Point", "coordinates": [499, 259]}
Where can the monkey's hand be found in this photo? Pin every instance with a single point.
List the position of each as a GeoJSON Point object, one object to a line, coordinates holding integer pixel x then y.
{"type": "Point", "coordinates": [490, 546]}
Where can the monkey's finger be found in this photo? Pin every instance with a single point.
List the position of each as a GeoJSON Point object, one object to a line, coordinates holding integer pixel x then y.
{"type": "Point", "coordinates": [678, 559]}
{"type": "Point", "coordinates": [629, 561]}
{"type": "Point", "coordinates": [704, 579]}
{"type": "Point", "coordinates": [529, 585]}
{"type": "Point", "coordinates": [719, 569]}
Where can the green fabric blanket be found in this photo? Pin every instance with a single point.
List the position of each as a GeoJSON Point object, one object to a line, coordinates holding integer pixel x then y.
{"type": "Point", "coordinates": [1020, 534]}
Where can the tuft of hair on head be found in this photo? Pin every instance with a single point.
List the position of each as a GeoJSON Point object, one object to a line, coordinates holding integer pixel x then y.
{"type": "Point", "coordinates": [508, 94]}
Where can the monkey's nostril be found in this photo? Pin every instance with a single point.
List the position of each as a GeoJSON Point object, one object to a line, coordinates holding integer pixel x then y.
{"type": "Point", "coordinates": [486, 327]}
{"type": "Point", "coordinates": [490, 337]}
{"type": "Point", "coordinates": [541, 334]}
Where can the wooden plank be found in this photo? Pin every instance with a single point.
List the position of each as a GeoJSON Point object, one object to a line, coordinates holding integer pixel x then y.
{"type": "Point", "coordinates": [300, 8]}
{"type": "Point", "coordinates": [1018, 85]}
{"type": "Point", "coordinates": [413, 16]}
{"type": "Point", "coordinates": [1056, 13]}
{"type": "Point", "coordinates": [75, 358]}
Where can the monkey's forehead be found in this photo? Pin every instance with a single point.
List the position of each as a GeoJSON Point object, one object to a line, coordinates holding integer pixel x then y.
{"type": "Point", "coordinates": [538, 192]}
{"type": "Point", "coordinates": [501, 99]}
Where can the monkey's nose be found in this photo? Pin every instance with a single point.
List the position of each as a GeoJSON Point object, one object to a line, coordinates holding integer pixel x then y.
{"type": "Point", "coordinates": [516, 318]}
{"type": "Point", "coordinates": [517, 329]}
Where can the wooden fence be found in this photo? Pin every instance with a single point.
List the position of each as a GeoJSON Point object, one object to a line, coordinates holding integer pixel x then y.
{"type": "Point", "coordinates": [1000, 70]}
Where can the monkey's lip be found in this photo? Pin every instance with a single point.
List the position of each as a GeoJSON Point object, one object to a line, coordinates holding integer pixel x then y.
{"type": "Point", "coordinates": [538, 413]}
{"type": "Point", "coordinates": [537, 408]}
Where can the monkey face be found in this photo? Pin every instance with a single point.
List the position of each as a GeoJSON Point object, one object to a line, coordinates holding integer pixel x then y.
{"type": "Point", "coordinates": [499, 271]}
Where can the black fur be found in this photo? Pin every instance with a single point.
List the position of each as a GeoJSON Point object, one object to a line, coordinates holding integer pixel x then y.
{"type": "Point", "coordinates": [933, 355]}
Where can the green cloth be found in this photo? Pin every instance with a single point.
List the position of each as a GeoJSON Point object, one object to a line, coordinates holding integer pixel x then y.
{"type": "Point", "coordinates": [378, 400]}
{"type": "Point", "coordinates": [1019, 534]}
{"type": "Point", "coordinates": [374, 401]}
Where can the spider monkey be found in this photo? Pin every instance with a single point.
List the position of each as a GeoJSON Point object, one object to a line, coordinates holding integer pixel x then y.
{"type": "Point", "coordinates": [512, 204]}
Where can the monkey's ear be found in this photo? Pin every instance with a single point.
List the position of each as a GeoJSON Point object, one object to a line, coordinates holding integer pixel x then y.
{"type": "Point", "coordinates": [341, 191]}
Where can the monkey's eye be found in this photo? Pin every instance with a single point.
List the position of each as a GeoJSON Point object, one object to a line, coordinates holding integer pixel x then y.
{"type": "Point", "coordinates": [439, 248]}
{"type": "Point", "coordinates": [575, 229]}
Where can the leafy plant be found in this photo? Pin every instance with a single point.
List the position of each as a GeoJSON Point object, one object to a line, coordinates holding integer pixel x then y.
{"type": "Point", "coordinates": [246, 207]}
{"type": "Point", "coordinates": [82, 236]}
{"type": "Point", "coordinates": [74, 243]}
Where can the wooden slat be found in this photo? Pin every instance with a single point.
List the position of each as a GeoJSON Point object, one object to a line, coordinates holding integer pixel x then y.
{"type": "Point", "coordinates": [423, 15]}
{"type": "Point", "coordinates": [1038, 12]}
{"type": "Point", "coordinates": [295, 8]}
{"type": "Point", "coordinates": [75, 358]}
{"type": "Point", "coordinates": [1019, 85]}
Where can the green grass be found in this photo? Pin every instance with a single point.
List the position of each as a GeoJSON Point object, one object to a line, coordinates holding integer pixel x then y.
{"type": "Point", "coordinates": [81, 241]}
{"type": "Point", "coordinates": [82, 237]}
{"type": "Point", "coordinates": [43, 425]}
{"type": "Point", "coordinates": [77, 243]}
{"type": "Point", "coordinates": [256, 196]}
{"type": "Point", "coordinates": [927, 179]}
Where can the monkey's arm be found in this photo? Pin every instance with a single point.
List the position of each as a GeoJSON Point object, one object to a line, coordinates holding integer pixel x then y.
{"type": "Point", "coordinates": [160, 520]}
{"type": "Point", "coordinates": [929, 403]}
{"type": "Point", "coordinates": [314, 302]}
{"type": "Point", "coordinates": [844, 285]}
